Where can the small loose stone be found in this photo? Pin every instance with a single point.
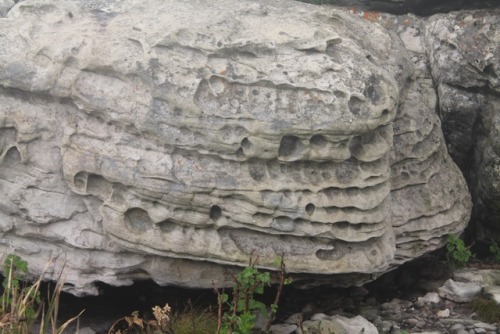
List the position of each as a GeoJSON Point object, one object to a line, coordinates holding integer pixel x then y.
{"type": "Point", "coordinates": [485, 326]}
{"type": "Point", "coordinates": [443, 313]}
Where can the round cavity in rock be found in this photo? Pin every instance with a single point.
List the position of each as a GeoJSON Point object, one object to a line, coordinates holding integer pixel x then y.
{"type": "Point", "coordinates": [239, 153]}
{"type": "Point", "coordinates": [340, 94]}
{"type": "Point", "coordinates": [217, 84]}
{"type": "Point", "coordinates": [167, 226]}
{"type": "Point", "coordinates": [346, 172]}
{"type": "Point", "coordinates": [12, 155]}
{"type": "Point", "coordinates": [310, 208]}
{"type": "Point", "coordinates": [330, 254]}
{"type": "Point", "coordinates": [215, 212]}
{"type": "Point", "coordinates": [257, 171]}
{"type": "Point", "coordinates": [318, 140]}
{"type": "Point", "coordinates": [80, 181]}
{"type": "Point", "coordinates": [342, 225]}
{"type": "Point", "coordinates": [246, 144]}
{"type": "Point", "coordinates": [138, 220]}
{"type": "Point", "coordinates": [284, 224]}
{"type": "Point", "coordinates": [355, 104]}
{"type": "Point", "coordinates": [289, 146]}
{"type": "Point", "coordinates": [96, 184]}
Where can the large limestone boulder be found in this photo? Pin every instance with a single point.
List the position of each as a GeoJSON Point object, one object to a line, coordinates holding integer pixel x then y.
{"type": "Point", "coordinates": [174, 139]}
{"type": "Point", "coordinates": [464, 54]}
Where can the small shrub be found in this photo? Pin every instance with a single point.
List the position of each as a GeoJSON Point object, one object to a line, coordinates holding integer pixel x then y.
{"type": "Point", "coordinates": [194, 321]}
{"type": "Point", "coordinates": [21, 304]}
{"type": "Point", "coordinates": [458, 255]}
{"type": "Point", "coordinates": [495, 250]}
{"type": "Point", "coordinates": [242, 309]}
{"type": "Point", "coordinates": [241, 316]}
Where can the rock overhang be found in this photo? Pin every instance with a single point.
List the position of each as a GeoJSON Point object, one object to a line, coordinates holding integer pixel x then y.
{"type": "Point", "coordinates": [262, 129]}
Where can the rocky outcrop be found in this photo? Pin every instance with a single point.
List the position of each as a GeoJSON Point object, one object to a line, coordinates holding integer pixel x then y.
{"type": "Point", "coordinates": [136, 144]}
{"type": "Point", "coordinates": [419, 181]}
{"type": "Point", "coordinates": [459, 54]}
{"type": "Point", "coordinates": [464, 53]}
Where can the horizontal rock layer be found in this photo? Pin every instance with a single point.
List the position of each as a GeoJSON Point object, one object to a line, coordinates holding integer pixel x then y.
{"type": "Point", "coordinates": [465, 61]}
{"type": "Point", "coordinates": [136, 144]}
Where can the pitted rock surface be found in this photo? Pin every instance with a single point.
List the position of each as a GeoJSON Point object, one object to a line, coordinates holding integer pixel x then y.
{"type": "Point", "coordinates": [418, 138]}
{"type": "Point", "coordinates": [464, 52]}
{"type": "Point", "coordinates": [172, 139]}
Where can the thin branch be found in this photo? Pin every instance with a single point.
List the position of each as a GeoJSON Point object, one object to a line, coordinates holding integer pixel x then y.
{"type": "Point", "coordinates": [278, 293]}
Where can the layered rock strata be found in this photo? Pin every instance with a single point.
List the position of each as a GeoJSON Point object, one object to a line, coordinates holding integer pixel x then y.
{"type": "Point", "coordinates": [464, 52]}
{"type": "Point", "coordinates": [459, 53]}
{"type": "Point", "coordinates": [173, 139]}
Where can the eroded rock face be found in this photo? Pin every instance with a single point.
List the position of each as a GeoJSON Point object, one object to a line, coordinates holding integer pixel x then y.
{"type": "Point", "coordinates": [171, 140]}
{"type": "Point", "coordinates": [464, 53]}
{"type": "Point", "coordinates": [419, 181]}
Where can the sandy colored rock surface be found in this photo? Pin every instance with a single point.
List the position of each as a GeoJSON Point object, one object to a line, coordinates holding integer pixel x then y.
{"type": "Point", "coordinates": [171, 140]}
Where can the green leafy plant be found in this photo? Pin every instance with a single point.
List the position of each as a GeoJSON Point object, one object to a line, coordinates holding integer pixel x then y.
{"type": "Point", "coordinates": [458, 255]}
{"type": "Point", "coordinates": [21, 303]}
{"type": "Point", "coordinates": [243, 308]}
{"type": "Point", "coordinates": [242, 316]}
{"type": "Point", "coordinates": [495, 250]}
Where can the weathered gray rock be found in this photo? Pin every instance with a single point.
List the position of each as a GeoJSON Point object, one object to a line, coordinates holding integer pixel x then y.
{"type": "Point", "coordinates": [483, 277]}
{"type": "Point", "coordinates": [460, 292]}
{"type": "Point", "coordinates": [488, 279]}
{"type": "Point", "coordinates": [283, 329]}
{"type": "Point", "coordinates": [429, 298]}
{"type": "Point", "coordinates": [464, 53]}
{"type": "Point", "coordinates": [323, 324]}
{"type": "Point", "coordinates": [443, 313]}
{"type": "Point", "coordinates": [172, 139]}
{"type": "Point", "coordinates": [417, 137]}
{"type": "Point", "coordinates": [492, 292]}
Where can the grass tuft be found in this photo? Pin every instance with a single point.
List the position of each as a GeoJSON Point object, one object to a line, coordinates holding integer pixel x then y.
{"type": "Point", "coordinates": [21, 304]}
{"type": "Point", "coordinates": [195, 321]}
{"type": "Point", "coordinates": [487, 310]}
